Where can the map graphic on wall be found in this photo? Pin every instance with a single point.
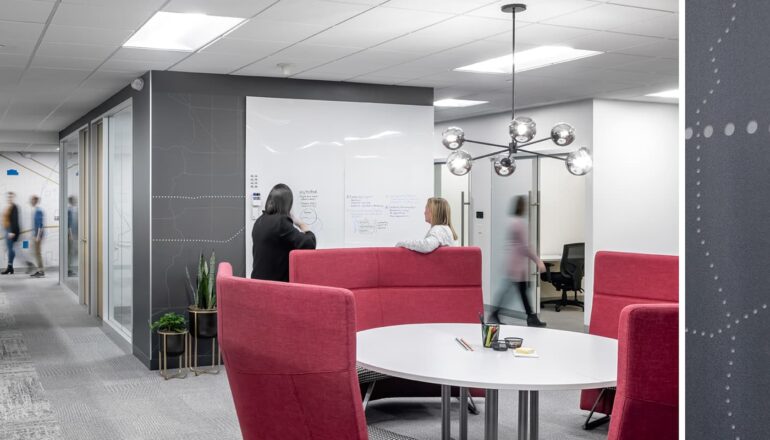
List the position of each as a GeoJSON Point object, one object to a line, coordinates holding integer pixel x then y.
{"type": "Point", "coordinates": [360, 172]}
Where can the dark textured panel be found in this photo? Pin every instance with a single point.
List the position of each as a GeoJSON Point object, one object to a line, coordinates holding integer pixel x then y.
{"type": "Point", "coordinates": [233, 85]}
{"type": "Point", "coordinates": [726, 219]}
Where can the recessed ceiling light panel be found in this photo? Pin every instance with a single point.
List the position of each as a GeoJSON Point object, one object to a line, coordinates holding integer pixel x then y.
{"type": "Point", "coordinates": [181, 32]}
{"type": "Point", "coordinates": [457, 103]}
{"type": "Point", "coordinates": [673, 93]}
{"type": "Point", "coordinates": [529, 59]}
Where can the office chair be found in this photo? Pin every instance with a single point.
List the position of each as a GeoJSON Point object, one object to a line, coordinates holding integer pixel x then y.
{"type": "Point", "coordinates": [569, 277]}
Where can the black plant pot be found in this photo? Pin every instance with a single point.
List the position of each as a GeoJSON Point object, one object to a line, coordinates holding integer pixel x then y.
{"type": "Point", "coordinates": [173, 342]}
{"type": "Point", "coordinates": [203, 323]}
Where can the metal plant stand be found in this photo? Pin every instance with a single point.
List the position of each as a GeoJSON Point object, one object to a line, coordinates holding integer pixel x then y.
{"type": "Point", "coordinates": [163, 355]}
{"type": "Point", "coordinates": [193, 342]}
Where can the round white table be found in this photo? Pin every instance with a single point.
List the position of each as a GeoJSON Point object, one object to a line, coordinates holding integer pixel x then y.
{"type": "Point", "coordinates": [429, 353]}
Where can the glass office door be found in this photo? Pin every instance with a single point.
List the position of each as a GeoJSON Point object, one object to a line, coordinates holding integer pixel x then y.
{"type": "Point", "coordinates": [119, 224]}
{"type": "Point", "coordinates": [72, 148]}
{"type": "Point", "coordinates": [523, 182]}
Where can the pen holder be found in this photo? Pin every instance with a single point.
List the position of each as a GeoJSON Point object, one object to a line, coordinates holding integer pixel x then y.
{"type": "Point", "coordinates": [489, 333]}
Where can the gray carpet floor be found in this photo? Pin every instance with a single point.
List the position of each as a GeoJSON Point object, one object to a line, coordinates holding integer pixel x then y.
{"type": "Point", "coordinates": [65, 376]}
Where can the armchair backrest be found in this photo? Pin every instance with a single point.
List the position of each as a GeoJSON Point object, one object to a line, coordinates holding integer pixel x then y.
{"type": "Point", "coordinates": [289, 351]}
{"type": "Point", "coordinates": [647, 398]}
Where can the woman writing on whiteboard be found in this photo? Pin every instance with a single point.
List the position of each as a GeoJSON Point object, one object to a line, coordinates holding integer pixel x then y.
{"type": "Point", "coordinates": [441, 232]}
{"type": "Point", "coordinates": [276, 233]}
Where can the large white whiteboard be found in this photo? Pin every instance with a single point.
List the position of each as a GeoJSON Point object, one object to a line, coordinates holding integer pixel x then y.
{"type": "Point", "coordinates": [360, 172]}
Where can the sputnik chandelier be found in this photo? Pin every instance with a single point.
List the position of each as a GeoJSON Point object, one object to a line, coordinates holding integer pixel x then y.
{"type": "Point", "coordinates": [522, 131]}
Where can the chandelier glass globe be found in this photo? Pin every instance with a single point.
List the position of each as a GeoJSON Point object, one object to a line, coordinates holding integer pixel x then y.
{"type": "Point", "coordinates": [562, 134]}
{"type": "Point", "coordinates": [522, 129]}
{"type": "Point", "coordinates": [504, 165]}
{"type": "Point", "coordinates": [579, 162]}
{"type": "Point", "coordinates": [453, 138]}
{"type": "Point", "coordinates": [459, 163]}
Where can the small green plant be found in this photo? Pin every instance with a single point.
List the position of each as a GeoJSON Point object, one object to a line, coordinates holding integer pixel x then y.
{"type": "Point", "coordinates": [204, 292]}
{"type": "Point", "coordinates": [170, 322]}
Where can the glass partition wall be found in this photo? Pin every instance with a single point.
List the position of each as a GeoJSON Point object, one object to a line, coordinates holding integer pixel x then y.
{"type": "Point", "coordinates": [71, 148]}
{"type": "Point", "coordinates": [119, 224]}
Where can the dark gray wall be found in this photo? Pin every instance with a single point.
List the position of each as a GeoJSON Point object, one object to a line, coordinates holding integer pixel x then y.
{"type": "Point", "coordinates": [141, 204]}
{"type": "Point", "coordinates": [727, 230]}
{"type": "Point", "coordinates": [198, 170]}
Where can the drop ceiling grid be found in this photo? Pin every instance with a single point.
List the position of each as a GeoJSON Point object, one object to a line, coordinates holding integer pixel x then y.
{"type": "Point", "coordinates": [87, 36]}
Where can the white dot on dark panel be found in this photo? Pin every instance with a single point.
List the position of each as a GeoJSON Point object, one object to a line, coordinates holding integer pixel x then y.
{"type": "Point", "coordinates": [708, 131]}
{"type": "Point", "coordinates": [711, 49]}
{"type": "Point", "coordinates": [713, 60]}
{"type": "Point", "coordinates": [751, 127]}
{"type": "Point", "coordinates": [705, 101]}
{"type": "Point", "coordinates": [716, 70]}
{"type": "Point", "coordinates": [719, 81]}
{"type": "Point", "coordinates": [729, 129]}
{"type": "Point", "coordinates": [727, 30]}
{"type": "Point", "coordinates": [719, 40]}
{"type": "Point", "coordinates": [688, 133]}
{"type": "Point", "coordinates": [732, 18]}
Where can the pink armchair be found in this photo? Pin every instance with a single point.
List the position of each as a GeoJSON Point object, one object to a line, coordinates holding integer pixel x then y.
{"type": "Point", "coordinates": [290, 355]}
{"type": "Point", "coordinates": [647, 399]}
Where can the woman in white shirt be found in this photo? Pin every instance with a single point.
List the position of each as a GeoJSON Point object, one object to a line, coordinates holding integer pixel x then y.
{"type": "Point", "coordinates": [441, 232]}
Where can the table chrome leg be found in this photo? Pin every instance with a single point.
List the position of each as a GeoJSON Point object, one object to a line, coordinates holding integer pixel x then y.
{"type": "Point", "coordinates": [534, 414]}
{"type": "Point", "coordinates": [490, 415]}
{"type": "Point", "coordinates": [446, 400]}
{"type": "Point", "coordinates": [523, 407]}
{"type": "Point", "coordinates": [463, 413]}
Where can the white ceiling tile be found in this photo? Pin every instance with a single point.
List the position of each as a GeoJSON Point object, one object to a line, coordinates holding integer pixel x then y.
{"type": "Point", "coordinates": [663, 5]}
{"type": "Point", "coordinates": [86, 35]}
{"type": "Point", "coordinates": [318, 12]}
{"type": "Point", "coordinates": [603, 61]}
{"type": "Point", "coordinates": [74, 50]}
{"type": "Point", "coordinates": [377, 26]}
{"type": "Point", "coordinates": [663, 66]}
{"type": "Point", "coordinates": [450, 6]}
{"type": "Point", "coordinates": [321, 76]}
{"type": "Point", "coordinates": [17, 31]}
{"type": "Point", "coordinates": [109, 81]}
{"type": "Point", "coordinates": [135, 54]}
{"type": "Point", "coordinates": [275, 30]}
{"type": "Point", "coordinates": [300, 58]}
{"type": "Point", "coordinates": [136, 67]}
{"type": "Point", "coordinates": [65, 62]}
{"type": "Point", "coordinates": [605, 17]}
{"type": "Point", "coordinates": [126, 15]}
{"type": "Point", "coordinates": [9, 77]}
{"type": "Point", "coordinates": [251, 48]}
{"type": "Point", "coordinates": [661, 49]}
{"type": "Point", "coordinates": [447, 34]}
{"type": "Point", "coordinates": [17, 47]}
{"type": "Point", "coordinates": [376, 79]}
{"type": "Point", "coordinates": [224, 8]}
{"type": "Point", "coordinates": [609, 41]}
{"type": "Point", "coordinates": [207, 62]}
{"type": "Point", "coordinates": [29, 11]}
{"type": "Point", "coordinates": [13, 60]}
{"type": "Point", "coordinates": [540, 34]}
{"type": "Point", "coordinates": [666, 27]}
{"type": "Point", "coordinates": [364, 62]}
{"type": "Point", "coordinates": [537, 11]}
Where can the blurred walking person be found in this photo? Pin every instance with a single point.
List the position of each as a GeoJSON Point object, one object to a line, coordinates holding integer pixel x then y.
{"type": "Point", "coordinates": [37, 235]}
{"type": "Point", "coordinates": [12, 230]}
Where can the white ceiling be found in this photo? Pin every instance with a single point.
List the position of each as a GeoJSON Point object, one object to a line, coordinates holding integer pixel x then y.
{"type": "Point", "coordinates": [61, 58]}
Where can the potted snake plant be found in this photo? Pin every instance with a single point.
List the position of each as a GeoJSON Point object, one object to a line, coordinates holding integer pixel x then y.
{"type": "Point", "coordinates": [203, 309]}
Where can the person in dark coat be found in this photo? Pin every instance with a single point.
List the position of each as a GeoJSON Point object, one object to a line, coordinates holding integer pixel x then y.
{"type": "Point", "coordinates": [276, 233]}
{"type": "Point", "coordinates": [12, 230]}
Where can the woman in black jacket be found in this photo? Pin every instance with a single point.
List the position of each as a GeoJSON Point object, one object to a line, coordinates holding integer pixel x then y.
{"type": "Point", "coordinates": [12, 230]}
{"type": "Point", "coordinates": [276, 233]}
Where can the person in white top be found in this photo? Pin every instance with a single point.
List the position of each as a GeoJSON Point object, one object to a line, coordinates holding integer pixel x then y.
{"type": "Point", "coordinates": [441, 232]}
{"type": "Point", "coordinates": [518, 260]}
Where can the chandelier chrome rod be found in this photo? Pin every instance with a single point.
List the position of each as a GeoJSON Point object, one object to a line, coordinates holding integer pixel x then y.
{"type": "Point", "coordinates": [513, 64]}
{"type": "Point", "coordinates": [507, 147]}
{"type": "Point", "coordinates": [552, 156]}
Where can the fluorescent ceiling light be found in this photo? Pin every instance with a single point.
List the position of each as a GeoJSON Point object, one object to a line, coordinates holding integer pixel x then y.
{"type": "Point", "coordinates": [457, 103]}
{"type": "Point", "coordinates": [673, 93]}
{"type": "Point", "coordinates": [182, 32]}
{"type": "Point", "coordinates": [529, 59]}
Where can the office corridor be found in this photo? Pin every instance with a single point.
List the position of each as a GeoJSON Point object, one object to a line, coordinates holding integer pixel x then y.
{"type": "Point", "coordinates": [65, 376]}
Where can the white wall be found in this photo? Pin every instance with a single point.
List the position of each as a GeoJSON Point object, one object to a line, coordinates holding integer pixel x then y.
{"type": "Point", "coordinates": [632, 192]}
{"type": "Point", "coordinates": [38, 175]}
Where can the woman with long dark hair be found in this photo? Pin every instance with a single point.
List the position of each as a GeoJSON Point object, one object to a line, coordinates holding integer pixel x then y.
{"type": "Point", "coordinates": [276, 233]}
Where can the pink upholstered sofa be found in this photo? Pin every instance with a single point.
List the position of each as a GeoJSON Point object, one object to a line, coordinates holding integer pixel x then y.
{"type": "Point", "coordinates": [395, 286]}
{"type": "Point", "coordinates": [622, 279]}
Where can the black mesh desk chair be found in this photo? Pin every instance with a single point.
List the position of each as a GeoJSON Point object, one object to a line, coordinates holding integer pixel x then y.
{"type": "Point", "coordinates": [569, 278]}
